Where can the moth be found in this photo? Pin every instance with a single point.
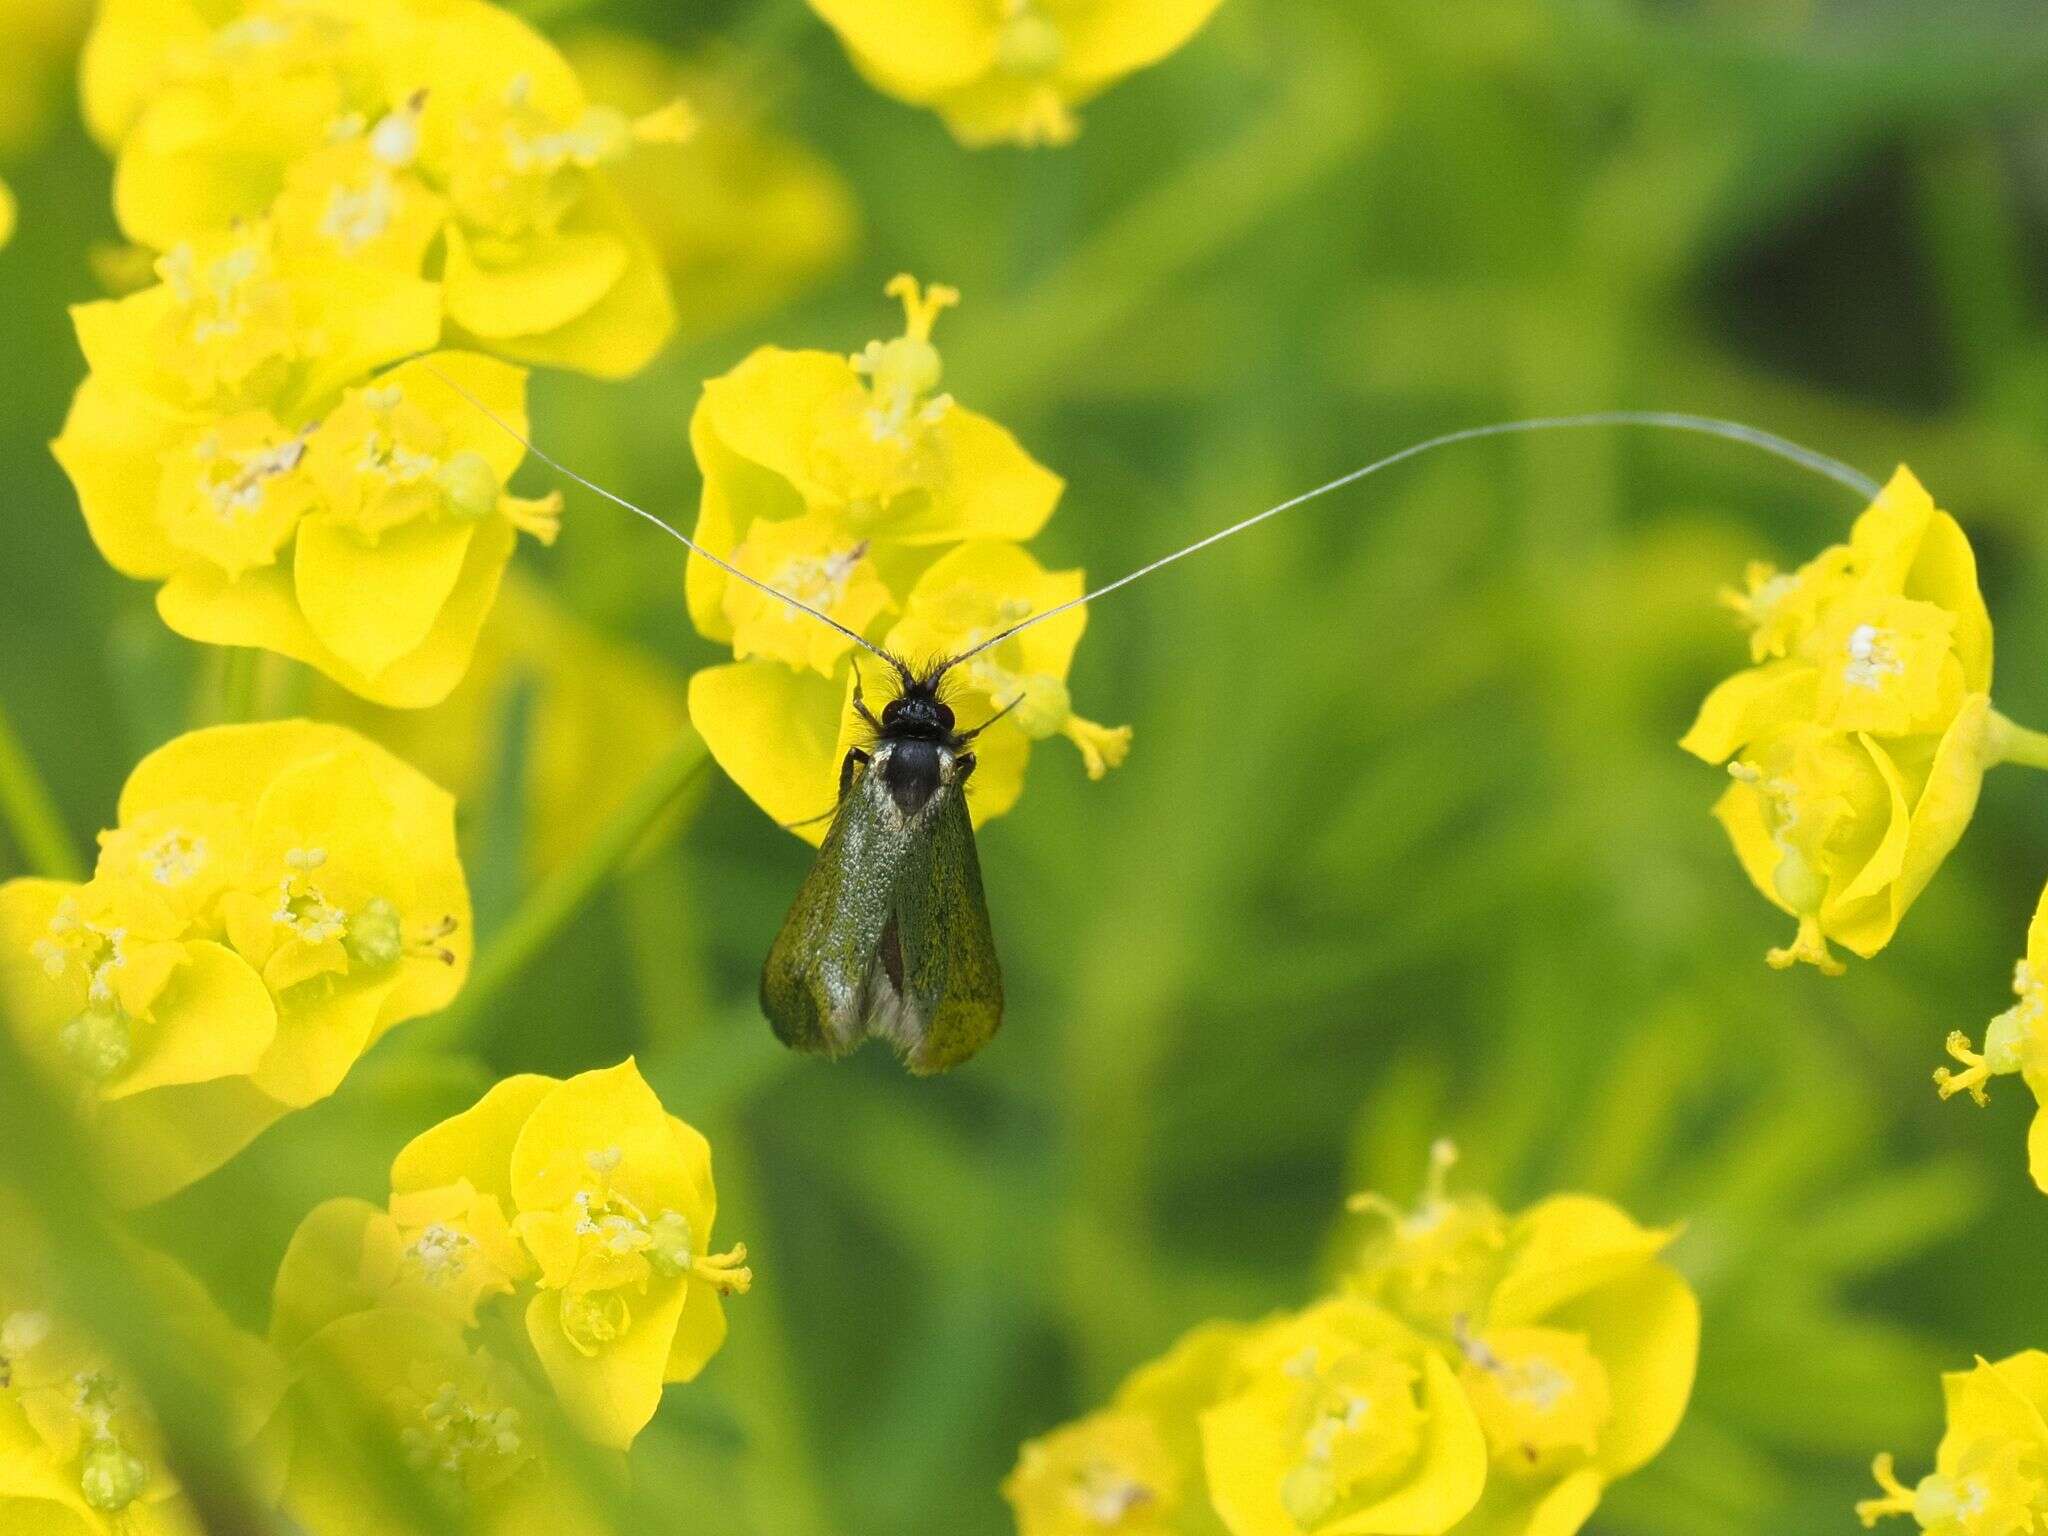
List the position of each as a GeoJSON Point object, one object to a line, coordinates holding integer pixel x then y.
{"type": "Point", "coordinates": [889, 937]}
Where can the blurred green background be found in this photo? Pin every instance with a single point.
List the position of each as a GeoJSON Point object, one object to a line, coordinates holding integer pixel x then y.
{"type": "Point", "coordinates": [1403, 848]}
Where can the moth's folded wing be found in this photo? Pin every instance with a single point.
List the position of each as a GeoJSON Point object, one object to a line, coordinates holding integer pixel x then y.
{"type": "Point", "coordinates": [949, 949]}
{"type": "Point", "coordinates": [814, 984]}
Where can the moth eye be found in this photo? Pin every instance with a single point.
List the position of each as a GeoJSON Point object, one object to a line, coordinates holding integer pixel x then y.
{"type": "Point", "coordinates": [946, 716]}
{"type": "Point", "coordinates": [891, 710]}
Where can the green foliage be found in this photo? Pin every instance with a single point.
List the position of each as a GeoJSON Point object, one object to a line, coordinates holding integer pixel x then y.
{"type": "Point", "coordinates": [1403, 848]}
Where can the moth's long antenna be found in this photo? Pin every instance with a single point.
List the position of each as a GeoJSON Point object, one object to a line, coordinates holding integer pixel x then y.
{"type": "Point", "coordinates": [666, 527]}
{"type": "Point", "coordinates": [1806, 458]}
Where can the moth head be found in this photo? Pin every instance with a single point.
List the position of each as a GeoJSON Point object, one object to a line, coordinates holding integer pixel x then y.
{"type": "Point", "coordinates": [918, 708]}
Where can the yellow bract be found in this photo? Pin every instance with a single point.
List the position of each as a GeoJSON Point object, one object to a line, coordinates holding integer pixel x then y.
{"type": "Point", "coordinates": [1990, 1474]}
{"type": "Point", "coordinates": [1858, 742]}
{"type": "Point", "coordinates": [274, 898]}
{"type": "Point", "coordinates": [582, 1205]}
{"type": "Point", "coordinates": [1008, 71]}
{"type": "Point", "coordinates": [853, 485]}
{"type": "Point", "coordinates": [1476, 1373]}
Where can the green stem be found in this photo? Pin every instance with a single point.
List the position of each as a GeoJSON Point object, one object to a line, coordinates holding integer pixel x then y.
{"type": "Point", "coordinates": [238, 685]}
{"type": "Point", "coordinates": [2005, 742]}
{"type": "Point", "coordinates": [556, 901]}
{"type": "Point", "coordinates": [31, 814]}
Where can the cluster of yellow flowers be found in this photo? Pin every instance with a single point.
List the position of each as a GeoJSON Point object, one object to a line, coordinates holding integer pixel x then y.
{"type": "Point", "coordinates": [1008, 71]}
{"type": "Point", "coordinates": [273, 899]}
{"type": "Point", "coordinates": [1858, 742]}
{"type": "Point", "coordinates": [582, 1211]}
{"type": "Point", "coordinates": [851, 483]}
{"type": "Point", "coordinates": [1471, 1372]}
{"type": "Point", "coordinates": [333, 187]}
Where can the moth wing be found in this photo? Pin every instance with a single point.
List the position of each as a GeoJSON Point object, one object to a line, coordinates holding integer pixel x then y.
{"type": "Point", "coordinates": [814, 985]}
{"type": "Point", "coordinates": [950, 972]}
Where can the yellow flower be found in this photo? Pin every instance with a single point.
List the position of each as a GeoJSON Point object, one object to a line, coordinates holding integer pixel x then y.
{"type": "Point", "coordinates": [1576, 1345]}
{"type": "Point", "coordinates": [368, 542]}
{"type": "Point", "coordinates": [602, 714]}
{"type": "Point", "coordinates": [231, 325]}
{"type": "Point", "coordinates": [445, 1250]}
{"type": "Point", "coordinates": [80, 1450]}
{"type": "Point", "coordinates": [612, 1199]}
{"type": "Point", "coordinates": [274, 898]}
{"type": "Point", "coordinates": [1437, 1262]}
{"type": "Point", "coordinates": [1343, 1422]}
{"type": "Point", "coordinates": [841, 481]}
{"type": "Point", "coordinates": [407, 1384]}
{"type": "Point", "coordinates": [544, 262]}
{"type": "Point", "coordinates": [205, 111]}
{"type": "Point", "coordinates": [378, 133]}
{"type": "Point", "coordinates": [1990, 1474]}
{"type": "Point", "coordinates": [1136, 1468]}
{"type": "Point", "coordinates": [1008, 71]}
{"type": "Point", "coordinates": [1844, 831]}
{"type": "Point", "coordinates": [1859, 740]}
{"type": "Point", "coordinates": [9, 214]}
{"type": "Point", "coordinates": [744, 218]}
{"type": "Point", "coordinates": [865, 445]}
{"type": "Point", "coordinates": [2015, 1041]}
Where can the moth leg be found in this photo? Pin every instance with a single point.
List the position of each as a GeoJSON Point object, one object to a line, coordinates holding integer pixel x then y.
{"type": "Point", "coordinates": [963, 768]}
{"type": "Point", "coordinates": [859, 708]}
{"type": "Point", "coordinates": [854, 758]}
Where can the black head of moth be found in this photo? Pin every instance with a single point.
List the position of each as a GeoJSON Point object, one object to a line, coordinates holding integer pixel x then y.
{"type": "Point", "coordinates": [889, 937]}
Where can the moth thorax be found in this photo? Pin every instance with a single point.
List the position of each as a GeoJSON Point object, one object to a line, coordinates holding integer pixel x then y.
{"type": "Point", "coordinates": [913, 771]}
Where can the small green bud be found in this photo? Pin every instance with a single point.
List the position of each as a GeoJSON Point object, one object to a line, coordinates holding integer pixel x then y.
{"type": "Point", "coordinates": [671, 1251]}
{"type": "Point", "coordinates": [470, 484]}
{"type": "Point", "coordinates": [98, 1043]}
{"type": "Point", "coordinates": [375, 936]}
{"type": "Point", "coordinates": [110, 1478]}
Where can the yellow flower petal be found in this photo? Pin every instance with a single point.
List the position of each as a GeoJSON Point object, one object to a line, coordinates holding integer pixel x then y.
{"type": "Point", "coordinates": [1751, 704]}
{"type": "Point", "coordinates": [1644, 1328]}
{"type": "Point", "coordinates": [320, 1277]}
{"type": "Point", "coordinates": [613, 1393]}
{"type": "Point", "coordinates": [775, 733]}
{"type": "Point", "coordinates": [112, 447]}
{"type": "Point", "coordinates": [371, 602]}
{"type": "Point", "coordinates": [213, 1019]}
{"type": "Point", "coordinates": [699, 1335]}
{"type": "Point", "coordinates": [260, 610]}
{"type": "Point", "coordinates": [1563, 1247]}
{"type": "Point", "coordinates": [550, 283]}
{"type": "Point", "coordinates": [918, 50]}
{"type": "Point", "coordinates": [1108, 41]}
{"type": "Point", "coordinates": [475, 1145]}
{"type": "Point", "coordinates": [609, 1110]}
